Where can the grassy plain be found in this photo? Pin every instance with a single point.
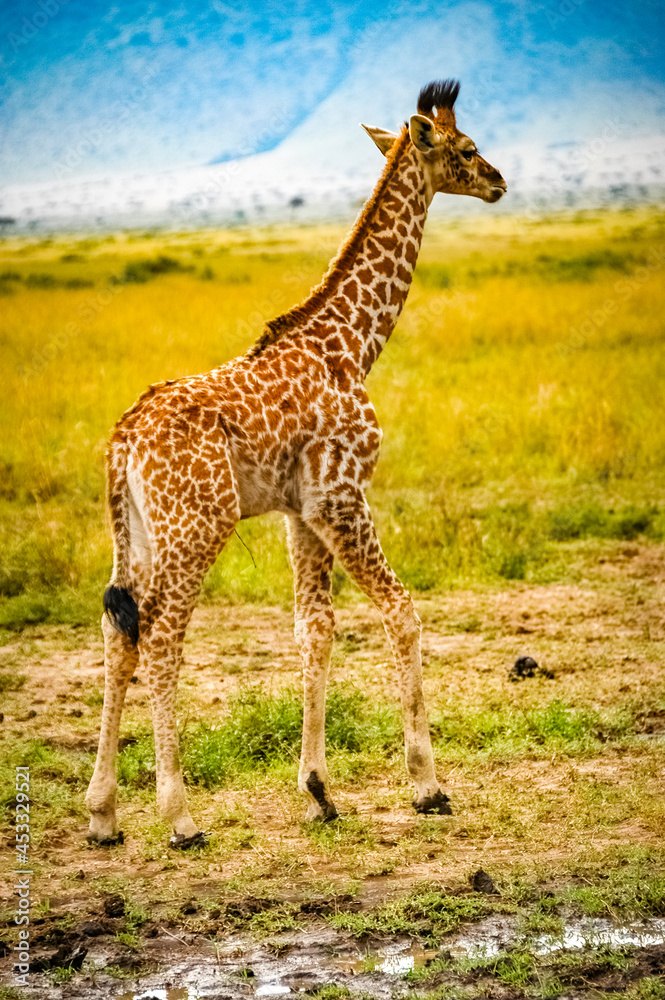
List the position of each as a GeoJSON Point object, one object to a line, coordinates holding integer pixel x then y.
{"type": "Point", "coordinates": [521, 395]}
{"type": "Point", "coordinates": [520, 495]}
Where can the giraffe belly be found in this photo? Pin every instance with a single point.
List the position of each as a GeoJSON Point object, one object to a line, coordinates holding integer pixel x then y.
{"type": "Point", "coordinates": [264, 487]}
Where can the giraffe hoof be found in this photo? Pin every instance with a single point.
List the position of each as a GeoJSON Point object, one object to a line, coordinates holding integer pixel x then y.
{"type": "Point", "coordinates": [328, 815]}
{"type": "Point", "coordinates": [324, 809]}
{"type": "Point", "coordinates": [181, 843]}
{"type": "Point", "coordinates": [94, 841]}
{"type": "Point", "coordinates": [437, 803]}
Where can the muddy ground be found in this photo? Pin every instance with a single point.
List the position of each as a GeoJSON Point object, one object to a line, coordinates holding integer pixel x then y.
{"type": "Point", "coordinates": [537, 823]}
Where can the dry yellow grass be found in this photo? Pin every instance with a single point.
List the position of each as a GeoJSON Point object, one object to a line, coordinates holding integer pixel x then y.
{"type": "Point", "coordinates": [526, 372]}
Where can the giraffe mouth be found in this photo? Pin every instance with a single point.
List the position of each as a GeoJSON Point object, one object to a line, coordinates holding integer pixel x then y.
{"type": "Point", "coordinates": [497, 191]}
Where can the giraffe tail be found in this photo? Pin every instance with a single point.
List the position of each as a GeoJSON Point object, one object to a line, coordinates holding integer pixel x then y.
{"type": "Point", "coordinates": [119, 605]}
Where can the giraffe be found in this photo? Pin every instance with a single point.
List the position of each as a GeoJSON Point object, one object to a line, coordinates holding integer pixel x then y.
{"type": "Point", "coordinates": [289, 427]}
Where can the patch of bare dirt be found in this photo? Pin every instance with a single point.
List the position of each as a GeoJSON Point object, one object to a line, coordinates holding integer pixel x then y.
{"type": "Point", "coordinates": [602, 643]}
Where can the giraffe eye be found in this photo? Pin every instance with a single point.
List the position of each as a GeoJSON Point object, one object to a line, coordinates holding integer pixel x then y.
{"type": "Point", "coordinates": [468, 154]}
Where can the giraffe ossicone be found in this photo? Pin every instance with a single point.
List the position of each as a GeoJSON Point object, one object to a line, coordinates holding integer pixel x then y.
{"type": "Point", "coordinates": [287, 427]}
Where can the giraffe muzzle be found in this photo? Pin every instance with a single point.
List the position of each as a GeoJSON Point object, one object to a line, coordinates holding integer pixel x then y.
{"type": "Point", "coordinates": [497, 191]}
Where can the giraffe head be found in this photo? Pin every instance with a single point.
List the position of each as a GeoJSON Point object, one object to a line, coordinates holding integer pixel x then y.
{"type": "Point", "coordinates": [449, 159]}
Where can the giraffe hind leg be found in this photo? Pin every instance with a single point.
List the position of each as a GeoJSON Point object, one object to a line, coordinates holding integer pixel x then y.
{"type": "Point", "coordinates": [166, 611]}
{"type": "Point", "coordinates": [120, 660]}
{"type": "Point", "coordinates": [180, 559]}
{"type": "Point", "coordinates": [120, 627]}
{"type": "Point", "coordinates": [314, 623]}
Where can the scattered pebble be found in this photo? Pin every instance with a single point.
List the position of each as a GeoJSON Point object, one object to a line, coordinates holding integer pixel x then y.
{"type": "Point", "coordinates": [69, 956]}
{"type": "Point", "coordinates": [114, 906]}
{"type": "Point", "coordinates": [526, 666]}
{"type": "Point", "coordinates": [482, 882]}
{"type": "Point", "coordinates": [93, 928]}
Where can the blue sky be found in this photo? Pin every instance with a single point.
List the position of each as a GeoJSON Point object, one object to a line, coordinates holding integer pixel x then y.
{"type": "Point", "coordinates": [90, 87]}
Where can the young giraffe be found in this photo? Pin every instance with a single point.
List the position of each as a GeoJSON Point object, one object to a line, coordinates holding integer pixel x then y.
{"type": "Point", "coordinates": [286, 427]}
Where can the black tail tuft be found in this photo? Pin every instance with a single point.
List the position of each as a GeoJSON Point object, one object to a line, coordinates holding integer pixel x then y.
{"type": "Point", "coordinates": [122, 611]}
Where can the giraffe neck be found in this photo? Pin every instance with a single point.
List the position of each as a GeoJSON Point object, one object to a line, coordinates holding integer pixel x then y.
{"type": "Point", "coordinates": [350, 315]}
{"type": "Point", "coordinates": [361, 313]}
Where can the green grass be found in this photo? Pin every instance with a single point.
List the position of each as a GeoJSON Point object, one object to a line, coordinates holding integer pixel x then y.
{"type": "Point", "coordinates": [550, 729]}
{"type": "Point", "coordinates": [58, 779]}
{"type": "Point", "coordinates": [634, 886]}
{"type": "Point", "coordinates": [330, 992]}
{"type": "Point", "coordinates": [648, 988]}
{"type": "Point", "coordinates": [593, 521]}
{"type": "Point", "coordinates": [140, 271]}
{"type": "Point", "coordinates": [529, 974]}
{"type": "Point", "coordinates": [261, 733]}
{"type": "Point", "coordinates": [10, 681]}
{"type": "Point", "coordinates": [427, 915]}
{"type": "Point", "coordinates": [519, 397]}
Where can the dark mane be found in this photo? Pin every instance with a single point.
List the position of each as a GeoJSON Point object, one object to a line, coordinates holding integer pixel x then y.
{"type": "Point", "coordinates": [276, 328]}
{"type": "Point", "coordinates": [440, 94]}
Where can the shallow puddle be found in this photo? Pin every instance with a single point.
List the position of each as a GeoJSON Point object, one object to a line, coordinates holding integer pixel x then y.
{"type": "Point", "coordinates": [394, 961]}
{"type": "Point", "coordinates": [177, 993]}
{"type": "Point", "coordinates": [489, 937]}
{"type": "Point", "coordinates": [316, 959]}
{"type": "Point", "coordinates": [599, 932]}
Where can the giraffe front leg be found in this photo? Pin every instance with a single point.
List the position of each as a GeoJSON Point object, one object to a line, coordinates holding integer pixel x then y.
{"type": "Point", "coordinates": [314, 623]}
{"type": "Point", "coordinates": [120, 658]}
{"type": "Point", "coordinates": [344, 523]}
{"type": "Point", "coordinates": [402, 626]}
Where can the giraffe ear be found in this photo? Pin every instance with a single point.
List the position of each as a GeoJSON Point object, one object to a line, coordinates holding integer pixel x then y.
{"type": "Point", "coordinates": [424, 135]}
{"type": "Point", "coordinates": [383, 139]}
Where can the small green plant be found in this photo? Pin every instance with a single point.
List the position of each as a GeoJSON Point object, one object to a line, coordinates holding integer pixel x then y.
{"type": "Point", "coordinates": [140, 271]}
{"type": "Point", "coordinates": [426, 914]}
{"type": "Point", "coordinates": [95, 698]}
{"type": "Point", "coordinates": [11, 681]}
{"type": "Point", "coordinates": [129, 938]}
{"type": "Point", "coordinates": [514, 968]}
{"type": "Point", "coordinates": [62, 974]}
{"type": "Point", "coordinates": [593, 521]}
{"type": "Point", "coordinates": [343, 832]}
{"type": "Point", "coordinates": [649, 988]}
{"type": "Point", "coordinates": [330, 992]}
{"type": "Point", "coordinates": [117, 972]}
{"type": "Point", "coordinates": [9, 993]}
